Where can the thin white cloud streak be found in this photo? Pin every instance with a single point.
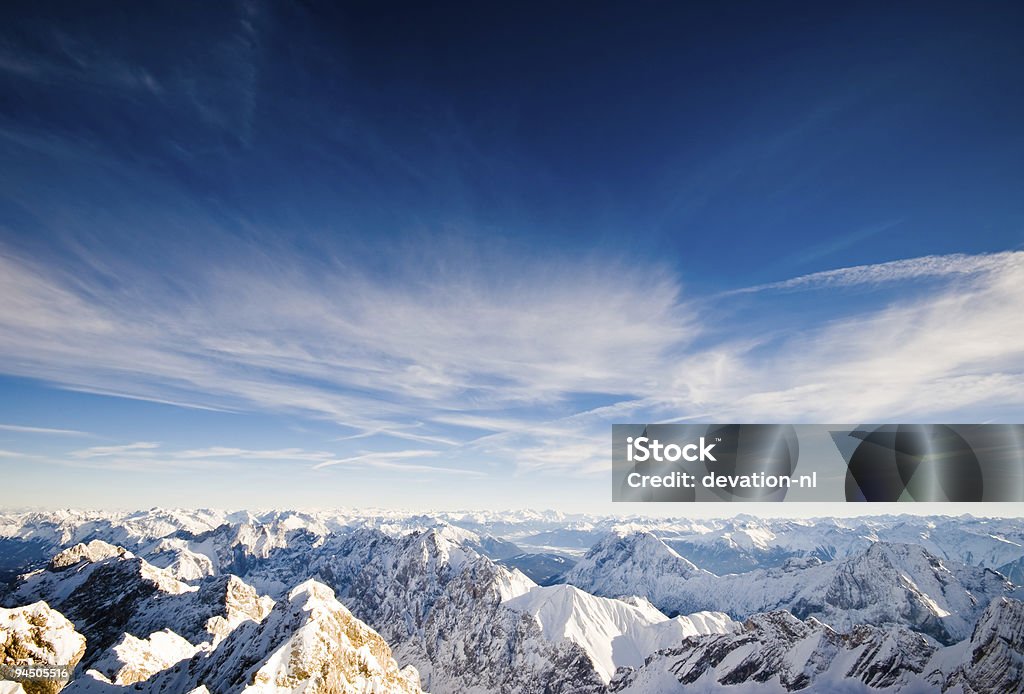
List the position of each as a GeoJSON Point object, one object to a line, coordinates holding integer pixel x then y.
{"type": "Point", "coordinates": [222, 93]}
{"type": "Point", "coordinates": [18, 428]}
{"type": "Point", "coordinates": [139, 448]}
{"type": "Point", "coordinates": [144, 455]}
{"type": "Point", "coordinates": [930, 266]}
{"type": "Point", "coordinates": [389, 461]}
{"type": "Point", "coordinates": [403, 435]}
{"type": "Point", "coordinates": [384, 464]}
{"type": "Point", "coordinates": [135, 462]}
{"type": "Point", "coordinates": [89, 71]}
{"type": "Point", "coordinates": [295, 454]}
{"type": "Point", "coordinates": [388, 455]}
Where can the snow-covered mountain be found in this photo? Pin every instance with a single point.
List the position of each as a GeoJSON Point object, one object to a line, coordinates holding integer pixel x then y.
{"type": "Point", "coordinates": [782, 653]}
{"type": "Point", "coordinates": [108, 592]}
{"type": "Point", "coordinates": [183, 600]}
{"type": "Point", "coordinates": [614, 633]}
{"type": "Point", "coordinates": [776, 652]}
{"type": "Point", "coordinates": [544, 568]}
{"type": "Point", "coordinates": [729, 545]}
{"type": "Point", "coordinates": [309, 644]}
{"type": "Point", "coordinates": [133, 659]}
{"type": "Point", "coordinates": [885, 583]}
{"type": "Point", "coordinates": [36, 635]}
{"type": "Point", "coordinates": [634, 563]}
{"type": "Point", "coordinates": [992, 660]}
{"type": "Point", "coordinates": [440, 604]}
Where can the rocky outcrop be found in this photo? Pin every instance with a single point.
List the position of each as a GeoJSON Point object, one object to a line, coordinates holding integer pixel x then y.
{"type": "Point", "coordinates": [36, 635]}
{"type": "Point", "coordinates": [635, 563]}
{"type": "Point", "coordinates": [795, 654]}
{"type": "Point", "coordinates": [994, 658]}
{"type": "Point", "coordinates": [134, 660]}
{"type": "Point", "coordinates": [308, 644]}
{"type": "Point", "coordinates": [94, 551]}
{"type": "Point", "coordinates": [108, 592]}
{"type": "Point", "coordinates": [886, 583]}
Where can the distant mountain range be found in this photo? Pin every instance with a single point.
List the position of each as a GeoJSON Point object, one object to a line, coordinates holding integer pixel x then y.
{"type": "Point", "coordinates": [206, 601]}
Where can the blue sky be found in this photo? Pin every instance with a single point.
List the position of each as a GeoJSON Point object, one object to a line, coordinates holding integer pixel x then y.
{"type": "Point", "coordinates": [280, 254]}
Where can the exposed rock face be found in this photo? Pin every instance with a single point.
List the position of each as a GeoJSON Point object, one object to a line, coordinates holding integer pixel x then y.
{"type": "Point", "coordinates": [156, 621]}
{"type": "Point", "coordinates": [440, 605]}
{"type": "Point", "coordinates": [778, 647]}
{"type": "Point", "coordinates": [38, 635]}
{"type": "Point", "coordinates": [471, 640]}
{"type": "Point", "coordinates": [905, 584]}
{"type": "Point", "coordinates": [108, 592]}
{"type": "Point", "coordinates": [209, 613]}
{"type": "Point", "coordinates": [308, 644]}
{"type": "Point", "coordinates": [96, 550]}
{"type": "Point", "coordinates": [886, 583]}
{"type": "Point", "coordinates": [614, 633]}
{"type": "Point", "coordinates": [994, 661]}
{"type": "Point", "coordinates": [134, 660]}
{"type": "Point", "coordinates": [634, 563]}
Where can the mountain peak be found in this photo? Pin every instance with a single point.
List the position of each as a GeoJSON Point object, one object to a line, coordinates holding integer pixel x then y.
{"type": "Point", "coordinates": [310, 590]}
{"type": "Point", "coordinates": [309, 643]}
{"type": "Point", "coordinates": [38, 635]}
{"type": "Point", "coordinates": [94, 551]}
{"type": "Point", "coordinates": [996, 648]}
{"type": "Point", "coordinates": [632, 562]}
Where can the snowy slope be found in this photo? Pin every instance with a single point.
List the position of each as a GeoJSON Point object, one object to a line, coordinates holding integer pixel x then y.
{"type": "Point", "coordinates": [134, 660]}
{"type": "Point", "coordinates": [308, 644]}
{"type": "Point", "coordinates": [38, 635]}
{"type": "Point", "coordinates": [729, 545]}
{"type": "Point", "coordinates": [884, 584]}
{"type": "Point", "coordinates": [107, 592]}
{"type": "Point", "coordinates": [992, 660]}
{"type": "Point", "coordinates": [613, 633]}
{"type": "Point", "coordinates": [429, 585]}
{"type": "Point", "coordinates": [778, 652]}
{"type": "Point", "coordinates": [785, 654]}
{"type": "Point", "coordinates": [634, 563]}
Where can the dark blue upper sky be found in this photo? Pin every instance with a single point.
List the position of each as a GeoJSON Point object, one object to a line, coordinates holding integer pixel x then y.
{"type": "Point", "coordinates": [803, 129]}
{"type": "Point", "coordinates": [221, 200]}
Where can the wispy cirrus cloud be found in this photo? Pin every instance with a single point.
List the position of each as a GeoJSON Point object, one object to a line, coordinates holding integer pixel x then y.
{"type": "Point", "coordinates": [48, 431]}
{"type": "Point", "coordinates": [956, 348]}
{"type": "Point", "coordinates": [929, 266]}
{"type": "Point", "coordinates": [957, 351]}
{"type": "Point", "coordinates": [146, 455]}
{"type": "Point", "coordinates": [11, 454]}
{"type": "Point", "coordinates": [490, 362]}
{"type": "Point", "coordinates": [385, 356]}
{"type": "Point", "coordinates": [139, 448]}
{"type": "Point", "coordinates": [389, 461]}
{"type": "Point", "coordinates": [246, 454]}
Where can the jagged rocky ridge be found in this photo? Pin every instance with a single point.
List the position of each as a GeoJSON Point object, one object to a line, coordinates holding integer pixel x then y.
{"type": "Point", "coordinates": [729, 545]}
{"type": "Point", "coordinates": [309, 643]}
{"type": "Point", "coordinates": [108, 592]}
{"type": "Point", "coordinates": [478, 626]}
{"type": "Point", "coordinates": [38, 635]}
{"type": "Point", "coordinates": [779, 652]}
{"type": "Point", "coordinates": [887, 583]}
{"type": "Point", "coordinates": [992, 660]}
{"type": "Point", "coordinates": [441, 606]}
